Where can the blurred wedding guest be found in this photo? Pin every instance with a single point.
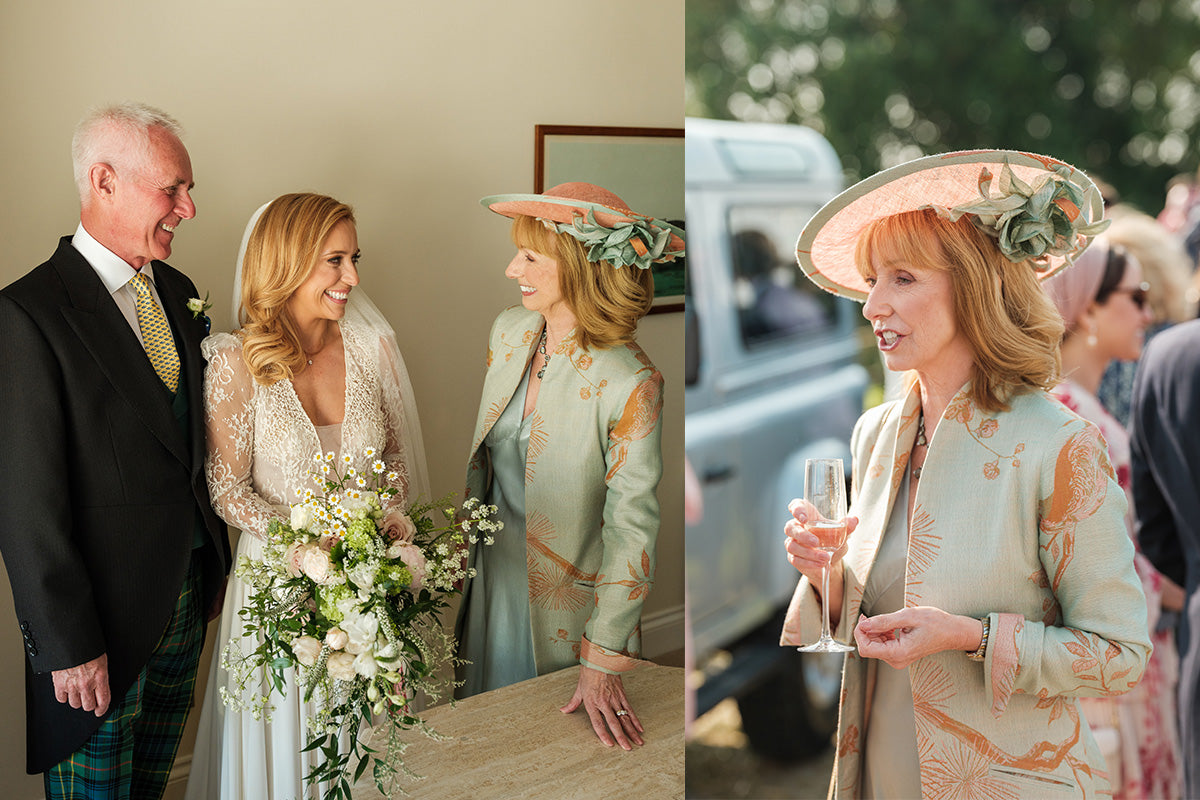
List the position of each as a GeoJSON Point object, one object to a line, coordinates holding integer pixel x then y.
{"type": "Point", "coordinates": [567, 445]}
{"type": "Point", "coordinates": [1181, 214]}
{"type": "Point", "coordinates": [114, 553]}
{"type": "Point", "coordinates": [1165, 444]}
{"type": "Point", "coordinates": [1165, 269]}
{"type": "Point", "coordinates": [1181, 202]}
{"type": "Point", "coordinates": [1103, 303]}
{"type": "Point", "coordinates": [987, 580]}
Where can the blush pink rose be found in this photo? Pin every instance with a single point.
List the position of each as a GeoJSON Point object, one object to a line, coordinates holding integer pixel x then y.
{"type": "Point", "coordinates": [413, 558]}
{"type": "Point", "coordinates": [398, 527]}
{"type": "Point", "coordinates": [294, 558]}
{"type": "Point", "coordinates": [316, 564]}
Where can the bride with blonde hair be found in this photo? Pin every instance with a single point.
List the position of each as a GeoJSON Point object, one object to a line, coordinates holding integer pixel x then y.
{"type": "Point", "coordinates": [313, 369]}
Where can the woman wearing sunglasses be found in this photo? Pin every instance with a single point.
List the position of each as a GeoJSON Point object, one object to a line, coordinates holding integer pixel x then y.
{"type": "Point", "coordinates": [1168, 269]}
{"type": "Point", "coordinates": [1103, 302]}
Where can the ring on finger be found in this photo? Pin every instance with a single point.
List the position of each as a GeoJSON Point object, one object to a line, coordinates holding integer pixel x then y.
{"type": "Point", "coordinates": [621, 712]}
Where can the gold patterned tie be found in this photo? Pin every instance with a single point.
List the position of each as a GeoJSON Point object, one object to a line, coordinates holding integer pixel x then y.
{"type": "Point", "coordinates": [156, 334]}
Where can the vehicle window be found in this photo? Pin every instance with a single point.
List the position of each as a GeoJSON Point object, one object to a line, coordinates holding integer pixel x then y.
{"type": "Point", "coordinates": [768, 160]}
{"type": "Point", "coordinates": [773, 298]}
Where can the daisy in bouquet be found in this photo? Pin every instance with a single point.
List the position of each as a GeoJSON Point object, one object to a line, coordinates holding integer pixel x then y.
{"type": "Point", "coordinates": [356, 612]}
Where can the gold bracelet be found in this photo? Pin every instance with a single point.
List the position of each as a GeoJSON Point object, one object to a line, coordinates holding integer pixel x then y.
{"type": "Point", "coordinates": [978, 655]}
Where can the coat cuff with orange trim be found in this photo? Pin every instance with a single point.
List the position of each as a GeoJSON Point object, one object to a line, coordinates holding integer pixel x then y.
{"type": "Point", "coordinates": [611, 661]}
{"type": "Point", "coordinates": [1002, 656]}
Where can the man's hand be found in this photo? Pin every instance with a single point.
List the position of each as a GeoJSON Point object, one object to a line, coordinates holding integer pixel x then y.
{"type": "Point", "coordinates": [218, 604]}
{"type": "Point", "coordinates": [84, 686]}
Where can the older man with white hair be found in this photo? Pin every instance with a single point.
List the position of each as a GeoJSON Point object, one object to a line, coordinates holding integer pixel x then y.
{"type": "Point", "coordinates": [113, 550]}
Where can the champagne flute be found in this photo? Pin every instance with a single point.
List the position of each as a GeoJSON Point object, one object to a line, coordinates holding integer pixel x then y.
{"type": "Point", "coordinates": [825, 490]}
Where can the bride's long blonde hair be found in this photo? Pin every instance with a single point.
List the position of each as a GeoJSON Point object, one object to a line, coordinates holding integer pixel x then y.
{"type": "Point", "coordinates": [280, 255]}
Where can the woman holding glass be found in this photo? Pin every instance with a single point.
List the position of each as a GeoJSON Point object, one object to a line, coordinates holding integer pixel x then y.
{"type": "Point", "coordinates": [987, 581]}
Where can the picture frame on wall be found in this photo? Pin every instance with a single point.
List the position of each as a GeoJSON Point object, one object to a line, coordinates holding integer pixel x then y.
{"type": "Point", "coordinates": [643, 166]}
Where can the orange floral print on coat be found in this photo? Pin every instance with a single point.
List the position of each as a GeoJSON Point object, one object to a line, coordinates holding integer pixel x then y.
{"type": "Point", "coordinates": [1079, 491]}
{"type": "Point", "coordinates": [554, 582]}
{"type": "Point", "coordinates": [641, 414]}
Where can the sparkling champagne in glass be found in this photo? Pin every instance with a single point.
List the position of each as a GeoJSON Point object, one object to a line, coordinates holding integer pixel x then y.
{"type": "Point", "coordinates": [825, 489]}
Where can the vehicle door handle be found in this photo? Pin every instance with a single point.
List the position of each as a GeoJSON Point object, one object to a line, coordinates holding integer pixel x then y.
{"type": "Point", "coordinates": [721, 472]}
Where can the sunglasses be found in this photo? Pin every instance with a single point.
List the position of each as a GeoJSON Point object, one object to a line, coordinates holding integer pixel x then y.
{"type": "Point", "coordinates": [1137, 294]}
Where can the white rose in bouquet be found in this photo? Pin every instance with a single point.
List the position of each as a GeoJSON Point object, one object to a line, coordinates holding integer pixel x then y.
{"type": "Point", "coordinates": [336, 638]}
{"type": "Point", "coordinates": [301, 517]}
{"type": "Point", "coordinates": [385, 650]}
{"type": "Point", "coordinates": [341, 667]}
{"type": "Point", "coordinates": [361, 630]}
{"type": "Point", "coordinates": [363, 575]}
{"type": "Point", "coordinates": [355, 506]}
{"type": "Point", "coordinates": [306, 650]}
{"type": "Point", "coordinates": [348, 606]}
{"type": "Point", "coordinates": [365, 664]}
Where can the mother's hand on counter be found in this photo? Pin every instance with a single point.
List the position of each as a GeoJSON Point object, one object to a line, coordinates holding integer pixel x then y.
{"type": "Point", "coordinates": [603, 695]}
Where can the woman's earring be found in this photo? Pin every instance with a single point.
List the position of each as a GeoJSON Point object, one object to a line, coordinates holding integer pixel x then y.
{"type": "Point", "coordinates": [1092, 340]}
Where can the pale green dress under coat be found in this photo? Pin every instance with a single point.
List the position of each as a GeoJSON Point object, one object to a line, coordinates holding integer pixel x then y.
{"type": "Point", "coordinates": [890, 766]}
{"type": "Point", "coordinates": [497, 638]}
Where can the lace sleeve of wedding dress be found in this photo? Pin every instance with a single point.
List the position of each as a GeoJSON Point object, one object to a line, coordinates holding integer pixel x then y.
{"type": "Point", "coordinates": [229, 420]}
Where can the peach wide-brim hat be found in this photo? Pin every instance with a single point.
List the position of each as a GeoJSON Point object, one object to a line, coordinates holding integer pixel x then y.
{"type": "Point", "coordinates": [948, 183]}
{"type": "Point", "coordinates": [568, 202]}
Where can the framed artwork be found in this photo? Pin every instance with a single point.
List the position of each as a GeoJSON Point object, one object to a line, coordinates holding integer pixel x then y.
{"type": "Point", "coordinates": [644, 166]}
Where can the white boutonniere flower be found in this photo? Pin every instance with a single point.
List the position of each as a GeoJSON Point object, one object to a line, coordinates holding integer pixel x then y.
{"type": "Point", "coordinates": [199, 309]}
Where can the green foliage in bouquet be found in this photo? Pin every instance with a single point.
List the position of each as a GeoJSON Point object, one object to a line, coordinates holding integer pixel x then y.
{"type": "Point", "coordinates": [349, 593]}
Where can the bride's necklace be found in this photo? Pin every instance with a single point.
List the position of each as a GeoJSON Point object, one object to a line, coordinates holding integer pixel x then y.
{"type": "Point", "coordinates": [310, 356]}
{"type": "Point", "coordinates": [921, 442]}
{"type": "Point", "coordinates": [545, 356]}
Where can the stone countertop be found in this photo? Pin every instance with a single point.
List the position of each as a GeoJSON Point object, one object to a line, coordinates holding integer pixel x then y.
{"type": "Point", "coordinates": [513, 742]}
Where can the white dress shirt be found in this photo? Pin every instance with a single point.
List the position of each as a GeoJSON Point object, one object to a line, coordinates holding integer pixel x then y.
{"type": "Point", "coordinates": [115, 273]}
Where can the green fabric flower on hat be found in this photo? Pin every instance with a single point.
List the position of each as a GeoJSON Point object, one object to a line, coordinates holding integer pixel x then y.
{"type": "Point", "coordinates": [1032, 223]}
{"type": "Point", "coordinates": [632, 243]}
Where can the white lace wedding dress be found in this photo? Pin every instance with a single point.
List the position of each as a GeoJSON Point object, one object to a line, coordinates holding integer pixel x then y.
{"type": "Point", "coordinates": [261, 449]}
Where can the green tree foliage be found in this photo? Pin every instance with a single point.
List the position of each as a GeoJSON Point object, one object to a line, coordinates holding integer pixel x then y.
{"type": "Point", "coordinates": [1107, 85]}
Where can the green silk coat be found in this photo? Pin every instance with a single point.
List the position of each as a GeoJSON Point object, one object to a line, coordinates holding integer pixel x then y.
{"type": "Point", "coordinates": [1017, 518]}
{"type": "Point", "coordinates": [593, 466]}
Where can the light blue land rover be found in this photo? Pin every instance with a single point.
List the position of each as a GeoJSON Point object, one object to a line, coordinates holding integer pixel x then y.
{"type": "Point", "coordinates": [773, 376]}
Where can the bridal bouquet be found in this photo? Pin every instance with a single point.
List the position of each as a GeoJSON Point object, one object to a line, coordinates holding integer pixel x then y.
{"type": "Point", "coordinates": [356, 613]}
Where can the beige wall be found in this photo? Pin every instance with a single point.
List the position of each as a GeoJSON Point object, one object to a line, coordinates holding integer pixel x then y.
{"type": "Point", "coordinates": [410, 111]}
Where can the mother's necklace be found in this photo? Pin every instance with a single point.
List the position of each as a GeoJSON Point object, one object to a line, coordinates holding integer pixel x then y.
{"type": "Point", "coordinates": [542, 350]}
{"type": "Point", "coordinates": [921, 442]}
